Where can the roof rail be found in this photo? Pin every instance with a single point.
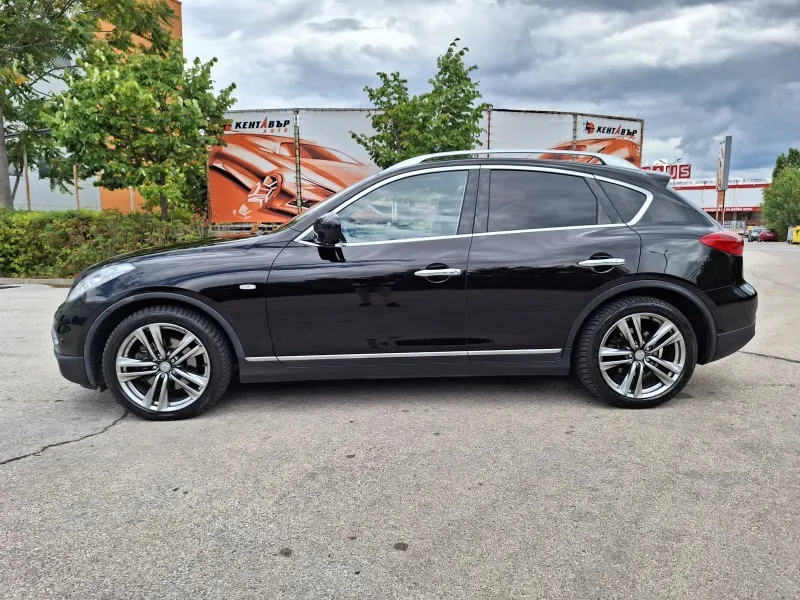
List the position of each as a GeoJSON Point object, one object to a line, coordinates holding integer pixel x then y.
{"type": "Point", "coordinates": [605, 159]}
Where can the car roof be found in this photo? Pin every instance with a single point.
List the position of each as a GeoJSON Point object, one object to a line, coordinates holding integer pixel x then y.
{"type": "Point", "coordinates": [627, 175]}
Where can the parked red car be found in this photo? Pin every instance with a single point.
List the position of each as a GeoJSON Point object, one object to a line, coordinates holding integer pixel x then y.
{"type": "Point", "coordinates": [768, 235]}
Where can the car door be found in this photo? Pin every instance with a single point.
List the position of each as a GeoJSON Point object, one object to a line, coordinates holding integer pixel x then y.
{"type": "Point", "coordinates": [544, 246]}
{"type": "Point", "coordinates": [394, 291]}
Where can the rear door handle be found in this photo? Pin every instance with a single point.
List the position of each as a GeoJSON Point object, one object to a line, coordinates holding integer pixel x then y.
{"type": "Point", "coordinates": [438, 273]}
{"type": "Point", "coordinates": [602, 262]}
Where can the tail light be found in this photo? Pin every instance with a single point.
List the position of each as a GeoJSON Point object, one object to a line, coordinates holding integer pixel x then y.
{"type": "Point", "coordinates": [724, 241]}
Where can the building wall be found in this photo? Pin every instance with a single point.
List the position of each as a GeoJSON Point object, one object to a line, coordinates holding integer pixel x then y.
{"type": "Point", "coordinates": [89, 196]}
{"type": "Point", "coordinates": [43, 198]}
{"type": "Point", "coordinates": [742, 200]}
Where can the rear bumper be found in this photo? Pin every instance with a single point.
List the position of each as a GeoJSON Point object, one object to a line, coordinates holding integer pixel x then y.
{"type": "Point", "coordinates": [73, 369]}
{"type": "Point", "coordinates": [728, 343]}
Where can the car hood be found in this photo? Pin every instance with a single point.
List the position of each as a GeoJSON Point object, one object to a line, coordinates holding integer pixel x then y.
{"type": "Point", "coordinates": [184, 248]}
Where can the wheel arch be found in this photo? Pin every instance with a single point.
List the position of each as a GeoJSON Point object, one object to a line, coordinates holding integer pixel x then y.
{"type": "Point", "coordinates": [685, 300]}
{"type": "Point", "coordinates": [114, 314]}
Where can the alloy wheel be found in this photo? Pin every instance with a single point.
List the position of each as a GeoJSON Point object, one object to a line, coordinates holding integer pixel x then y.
{"type": "Point", "coordinates": [642, 356]}
{"type": "Point", "coordinates": [162, 367]}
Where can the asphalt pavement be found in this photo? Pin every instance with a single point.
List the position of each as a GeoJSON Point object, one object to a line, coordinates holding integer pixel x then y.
{"type": "Point", "coordinates": [485, 488]}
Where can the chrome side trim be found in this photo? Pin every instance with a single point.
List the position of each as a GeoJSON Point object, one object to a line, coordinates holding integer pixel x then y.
{"type": "Point", "coordinates": [648, 197]}
{"type": "Point", "coordinates": [377, 355]}
{"type": "Point", "coordinates": [312, 357]}
{"type": "Point", "coordinates": [514, 352]}
{"type": "Point", "coordinates": [381, 183]}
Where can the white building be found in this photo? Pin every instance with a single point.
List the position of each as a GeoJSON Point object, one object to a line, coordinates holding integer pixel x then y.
{"type": "Point", "coordinates": [742, 200]}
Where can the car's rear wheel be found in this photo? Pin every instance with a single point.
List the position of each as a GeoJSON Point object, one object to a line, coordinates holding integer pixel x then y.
{"type": "Point", "coordinates": [166, 362]}
{"type": "Point", "coordinates": [636, 352]}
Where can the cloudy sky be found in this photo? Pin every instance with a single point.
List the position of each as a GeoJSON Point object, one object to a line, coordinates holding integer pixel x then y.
{"type": "Point", "coordinates": [694, 71]}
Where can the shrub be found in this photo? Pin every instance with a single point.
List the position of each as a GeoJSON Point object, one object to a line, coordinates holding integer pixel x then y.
{"type": "Point", "coordinates": [63, 243]}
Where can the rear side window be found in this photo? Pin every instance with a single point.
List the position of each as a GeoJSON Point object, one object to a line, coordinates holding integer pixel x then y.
{"type": "Point", "coordinates": [667, 208]}
{"type": "Point", "coordinates": [535, 200]}
{"type": "Point", "coordinates": [628, 202]}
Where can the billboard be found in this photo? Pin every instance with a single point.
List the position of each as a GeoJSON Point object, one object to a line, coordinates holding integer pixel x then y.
{"type": "Point", "coordinates": [254, 171]}
{"type": "Point", "coordinates": [509, 129]}
{"type": "Point", "coordinates": [279, 162]}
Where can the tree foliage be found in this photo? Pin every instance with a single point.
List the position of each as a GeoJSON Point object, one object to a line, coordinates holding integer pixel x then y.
{"type": "Point", "coordinates": [782, 200]}
{"type": "Point", "coordinates": [143, 119]}
{"type": "Point", "coordinates": [446, 118]}
{"type": "Point", "coordinates": [790, 159]}
{"type": "Point", "coordinates": [63, 243]}
{"type": "Point", "coordinates": [38, 41]}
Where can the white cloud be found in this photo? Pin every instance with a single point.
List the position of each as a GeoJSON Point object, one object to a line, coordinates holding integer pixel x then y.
{"type": "Point", "coordinates": [693, 70]}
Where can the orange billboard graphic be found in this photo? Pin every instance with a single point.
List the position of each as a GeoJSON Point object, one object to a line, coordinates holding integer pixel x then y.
{"type": "Point", "coordinates": [273, 156]}
{"type": "Point", "coordinates": [253, 178]}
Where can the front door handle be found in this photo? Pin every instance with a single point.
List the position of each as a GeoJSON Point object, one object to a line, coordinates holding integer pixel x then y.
{"type": "Point", "coordinates": [602, 262]}
{"type": "Point", "coordinates": [438, 273]}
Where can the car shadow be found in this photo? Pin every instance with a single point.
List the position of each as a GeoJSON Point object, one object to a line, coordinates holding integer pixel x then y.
{"type": "Point", "coordinates": [427, 392]}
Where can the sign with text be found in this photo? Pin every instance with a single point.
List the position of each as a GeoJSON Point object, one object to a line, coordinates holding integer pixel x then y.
{"type": "Point", "coordinates": [675, 171]}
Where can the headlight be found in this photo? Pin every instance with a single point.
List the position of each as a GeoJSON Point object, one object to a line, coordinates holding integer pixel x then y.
{"type": "Point", "coordinates": [98, 278]}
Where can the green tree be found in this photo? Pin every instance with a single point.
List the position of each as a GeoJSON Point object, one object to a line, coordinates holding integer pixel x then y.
{"type": "Point", "coordinates": [782, 201]}
{"type": "Point", "coordinates": [790, 159]}
{"type": "Point", "coordinates": [38, 41]}
{"type": "Point", "coordinates": [446, 118]}
{"type": "Point", "coordinates": [144, 119]}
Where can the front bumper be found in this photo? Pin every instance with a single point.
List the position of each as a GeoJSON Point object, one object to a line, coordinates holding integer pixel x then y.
{"type": "Point", "coordinates": [73, 368]}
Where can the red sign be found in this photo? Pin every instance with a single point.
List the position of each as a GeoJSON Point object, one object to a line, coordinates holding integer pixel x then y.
{"type": "Point", "coordinates": [676, 171]}
{"type": "Point", "coordinates": [731, 209]}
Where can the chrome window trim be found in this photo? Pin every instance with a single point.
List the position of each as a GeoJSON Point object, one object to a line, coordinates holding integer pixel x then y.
{"type": "Point", "coordinates": [648, 200]}
{"type": "Point", "coordinates": [313, 357]}
{"type": "Point", "coordinates": [604, 226]}
{"type": "Point", "coordinates": [380, 184]}
{"type": "Point", "coordinates": [648, 197]}
{"type": "Point", "coordinates": [420, 239]}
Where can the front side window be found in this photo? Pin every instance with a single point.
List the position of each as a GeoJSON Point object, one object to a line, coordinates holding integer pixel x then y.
{"type": "Point", "coordinates": [419, 206]}
{"type": "Point", "coordinates": [537, 200]}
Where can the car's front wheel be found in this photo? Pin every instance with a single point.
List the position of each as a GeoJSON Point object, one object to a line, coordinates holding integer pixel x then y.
{"type": "Point", "coordinates": [636, 352]}
{"type": "Point", "coordinates": [166, 362]}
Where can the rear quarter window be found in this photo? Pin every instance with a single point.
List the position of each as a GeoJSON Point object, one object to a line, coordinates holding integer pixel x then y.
{"type": "Point", "coordinates": [667, 207]}
{"type": "Point", "coordinates": [628, 202]}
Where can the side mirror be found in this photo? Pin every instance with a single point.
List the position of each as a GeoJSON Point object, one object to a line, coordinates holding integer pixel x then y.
{"type": "Point", "coordinates": [328, 230]}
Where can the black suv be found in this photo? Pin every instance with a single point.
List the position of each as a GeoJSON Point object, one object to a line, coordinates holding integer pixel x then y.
{"type": "Point", "coordinates": [440, 266]}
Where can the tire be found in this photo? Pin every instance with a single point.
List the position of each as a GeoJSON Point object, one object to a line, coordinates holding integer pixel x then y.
{"type": "Point", "coordinates": [602, 327]}
{"type": "Point", "coordinates": [136, 367]}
